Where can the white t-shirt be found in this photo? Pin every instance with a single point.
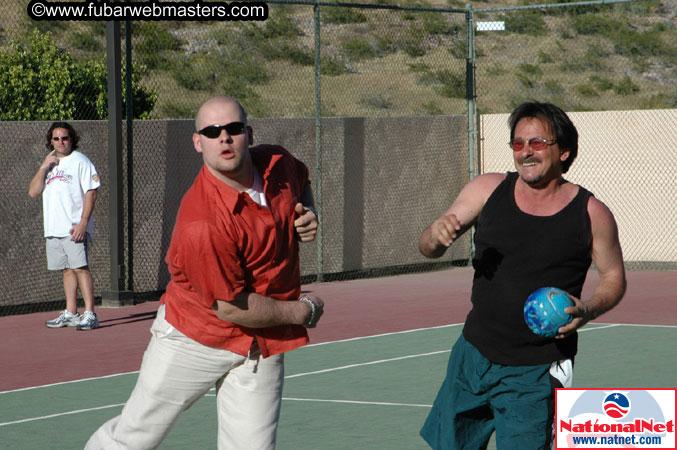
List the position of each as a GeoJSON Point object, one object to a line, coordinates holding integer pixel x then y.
{"type": "Point", "coordinates": [256, 191]}
{"type": "Point", "coordinates": [63, 197]}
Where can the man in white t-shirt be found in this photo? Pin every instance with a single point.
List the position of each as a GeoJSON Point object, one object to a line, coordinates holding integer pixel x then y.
{"type": "Point", "coordinates": [68, 182]}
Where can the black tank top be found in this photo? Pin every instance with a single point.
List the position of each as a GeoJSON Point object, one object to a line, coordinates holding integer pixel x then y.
{"type": "Point", "coordinates": [515, 254]}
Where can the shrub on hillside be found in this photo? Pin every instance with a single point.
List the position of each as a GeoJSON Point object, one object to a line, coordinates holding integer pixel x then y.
{"type": "Point", "coordinates": [528, 21]}
{"type": "Point", "coordinates": [342, 16]}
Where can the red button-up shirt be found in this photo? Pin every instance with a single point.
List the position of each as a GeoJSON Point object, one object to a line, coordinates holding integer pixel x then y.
{"type": "Point", "coordinates": [224, 243]}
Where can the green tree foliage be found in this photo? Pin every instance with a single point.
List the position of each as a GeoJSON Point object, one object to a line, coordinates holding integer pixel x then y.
{"type": "Point", "coordinates": [39, 81]}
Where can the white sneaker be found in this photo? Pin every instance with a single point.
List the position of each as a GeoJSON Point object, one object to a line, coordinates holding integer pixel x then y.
{"type": "Point", "coordinates": [66, 318]}
{"type": "Point", "coordinates": [89, 321]}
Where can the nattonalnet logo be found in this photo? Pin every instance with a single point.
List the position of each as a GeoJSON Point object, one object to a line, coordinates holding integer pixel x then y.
{"type": "Point", "coordinates": [615, 418]}
{"type": "Point", "coordinates": [616, 405]}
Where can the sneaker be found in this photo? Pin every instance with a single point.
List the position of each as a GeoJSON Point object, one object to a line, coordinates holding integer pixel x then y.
{"type": "Point", "coordinates": [89, 321]}
{"type": "Point", "coordinates": [66, 318]}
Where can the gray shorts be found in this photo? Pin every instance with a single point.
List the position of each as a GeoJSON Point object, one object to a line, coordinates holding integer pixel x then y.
{"type": "Point", "coordinates": [62, 253]}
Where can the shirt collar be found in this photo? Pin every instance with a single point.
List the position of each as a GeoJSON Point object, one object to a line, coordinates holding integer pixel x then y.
{"type": "Point", "coordinates": [264, 162]}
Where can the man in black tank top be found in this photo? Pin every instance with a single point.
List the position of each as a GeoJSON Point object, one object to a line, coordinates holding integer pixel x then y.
{"type": "Point", "coordinates": [533, 229]}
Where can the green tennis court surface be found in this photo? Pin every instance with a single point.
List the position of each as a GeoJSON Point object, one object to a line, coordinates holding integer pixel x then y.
{"type": "Point", "coordinates": [365, 393]}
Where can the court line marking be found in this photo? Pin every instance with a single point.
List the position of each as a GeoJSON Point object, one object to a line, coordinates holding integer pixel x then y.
{"type": "Point", "coordinates": [103, 377]}
{"type": "Point", "coordinates": [310, 345]}
{"type": "Point", "coordinates": [631, 325]}
{"type": "Point", "coordinates": [350, 366]}
{"type": "Point", "coordinates": [381, 335]}
{"type": "Point", "coordinates": [637, 325]}
{"type": "Point", "coordinates": [604, 325]}
{"type": "Point", "coordinates": [316, 400]}
{"type": "Point", "coordinates": [51, 416]}
{"type": "Point", "coordinates": [355, 402]}
{"type": "Point", "coordinates": [333, 369]}
{"type": "Point", "coordinates": [601, 327]}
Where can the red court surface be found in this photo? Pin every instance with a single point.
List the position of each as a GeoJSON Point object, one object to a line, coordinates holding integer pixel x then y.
{"type": "Point", "coordinates": [34, 355]}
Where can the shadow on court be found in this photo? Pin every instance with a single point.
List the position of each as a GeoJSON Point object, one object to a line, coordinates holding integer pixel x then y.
{"type": "Point", "coordinates": [141, 317]}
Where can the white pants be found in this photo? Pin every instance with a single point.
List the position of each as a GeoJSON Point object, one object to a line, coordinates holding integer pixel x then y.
{"type": "Point", "coordinates": [177, 371]}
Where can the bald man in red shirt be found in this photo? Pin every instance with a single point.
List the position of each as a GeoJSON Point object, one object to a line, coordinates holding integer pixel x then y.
{"type": "Point", "coordinates": [234, 304]}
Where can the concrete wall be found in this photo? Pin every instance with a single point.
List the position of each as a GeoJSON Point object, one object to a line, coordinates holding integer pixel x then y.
{"type": "Point", "coordinates": [383, 181]}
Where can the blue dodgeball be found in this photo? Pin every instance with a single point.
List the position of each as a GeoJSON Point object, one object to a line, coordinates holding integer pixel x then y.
{"type": "Point", "coordinates": [544, 311]}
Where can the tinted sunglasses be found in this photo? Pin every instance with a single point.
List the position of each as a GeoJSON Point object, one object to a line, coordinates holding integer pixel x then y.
{"type": "Point", "coordinates": [62, 138]}
{"type": "Point", "coordinates": [214, 131]}
{"type": "Point", "coordinates": [536, 143]}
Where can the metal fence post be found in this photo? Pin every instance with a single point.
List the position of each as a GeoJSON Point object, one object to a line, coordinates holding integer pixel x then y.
{"type": "Point", "coordinates": [116, 296]}
{"type": "Point", "coordinates": [129, 110]}
{"type": "Point", "coordinates": [318, 141]}
{"type": "Point", "coordinates": [471, 104]}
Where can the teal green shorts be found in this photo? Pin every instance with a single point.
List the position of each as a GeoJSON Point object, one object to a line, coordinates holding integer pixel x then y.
{"type": "Point", "coordinates": [478, 397]}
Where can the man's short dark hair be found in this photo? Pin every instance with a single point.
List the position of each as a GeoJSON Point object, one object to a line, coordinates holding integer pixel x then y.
{"type": "Point", "coordinates": [562, 127]}
{"type": "Point", "coordinates": [75, 138]}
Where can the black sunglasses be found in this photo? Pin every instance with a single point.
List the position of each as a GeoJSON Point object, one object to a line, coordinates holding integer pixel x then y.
{"type": "Point", "coordinates": [214, 131]}
{"type": "Point", "coordinates": [64, 138]}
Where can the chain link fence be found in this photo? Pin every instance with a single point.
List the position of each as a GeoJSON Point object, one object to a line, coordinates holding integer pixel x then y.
{"type": "Point", "coordinates": [374, 98]}
{"type": "Point", "coordinates": [612, 67]}
{"type": "Point", "coordinates": [372, 62]}
{"type": "Point", "coordinates": [386, 78]}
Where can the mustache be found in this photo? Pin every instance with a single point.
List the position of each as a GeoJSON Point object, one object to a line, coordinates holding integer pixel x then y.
{"type": "Point", "coordinates": [529, 159]}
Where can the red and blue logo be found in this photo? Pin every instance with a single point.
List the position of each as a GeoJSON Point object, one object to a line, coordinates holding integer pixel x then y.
{"type": "Point", "coordinates": [616, 405]}
{"type": "Point", "coordinates": [614, 418]}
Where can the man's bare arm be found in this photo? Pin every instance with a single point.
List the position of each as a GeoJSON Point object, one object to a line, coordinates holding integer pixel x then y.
{"type": "Point", "coordinates": [37, 183]}
{"type": "Point", "coordinates": [78, 231]}
{"type": "Point", "coordinates": [460, 216]}
{"type": "Point", "coordinates": [608, 258]}
{"type": "Point", "coordinates": [257, 311]}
